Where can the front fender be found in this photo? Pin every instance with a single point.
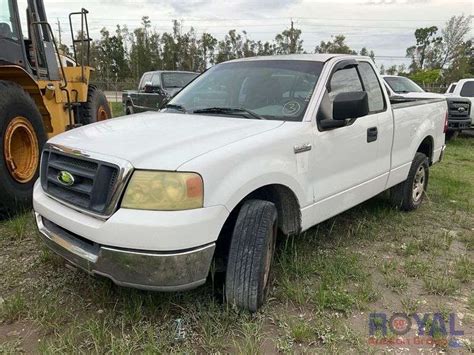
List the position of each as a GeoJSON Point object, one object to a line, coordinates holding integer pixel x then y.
{"type": "Point", "coordinates": [234, 171]}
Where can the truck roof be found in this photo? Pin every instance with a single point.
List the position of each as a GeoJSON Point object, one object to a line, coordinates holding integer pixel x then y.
{"type": "Point", "coordinates": [311, 57]}
{"type": "Point", "coordinates": [171, 71]}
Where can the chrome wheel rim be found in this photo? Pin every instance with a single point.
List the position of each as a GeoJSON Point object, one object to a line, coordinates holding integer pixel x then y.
{"type": "Point", "coordinates": [419, 184]}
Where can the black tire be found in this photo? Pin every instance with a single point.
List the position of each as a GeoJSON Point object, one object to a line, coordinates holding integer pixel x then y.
{"type": "Point", "coordinates": [452, 135]}
{"type": "Point", "coordinates": [90, 111]}
{"type": "Point", "coordinates": [404, 195]}
{"type": "Point", "coordinates": [129, 109]}
{"type": "Point", "coordinates": [250, 255]}
{"type": "Point", "coordinates": [16, 196]}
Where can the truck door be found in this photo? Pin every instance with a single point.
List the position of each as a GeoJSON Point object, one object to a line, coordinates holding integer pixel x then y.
{"type": "Point", "coordinates": [154, 99]}
{"type": "Point", "coordinates": [351, 163]}
{"type": "Point", "coordinates": [140, 98]}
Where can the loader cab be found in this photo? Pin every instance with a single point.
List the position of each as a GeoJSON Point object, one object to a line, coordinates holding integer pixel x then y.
{"type": "Point", "coordinates": [29, 45]}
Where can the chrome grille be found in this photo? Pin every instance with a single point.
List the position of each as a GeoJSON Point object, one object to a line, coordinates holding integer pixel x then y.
{"type": "Point", "coordinates": [97, 184]}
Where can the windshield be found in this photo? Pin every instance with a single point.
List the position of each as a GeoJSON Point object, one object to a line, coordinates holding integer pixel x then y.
{"type": "Point", "coordinates": [467, 89]}
{"type": "Point", "coordinates": [451, 88]}
{"type": "Point", "coordinates": [402, 85]}
{"type": "Point", "coordinates": [269, 89]}
{"type": "Point", "coordinates": [177, 80]}
{"type": "Point", "coordinates": [7, 28]}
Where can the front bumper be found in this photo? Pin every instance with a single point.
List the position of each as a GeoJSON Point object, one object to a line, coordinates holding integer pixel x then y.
{"type": "Point", "coordinates": [158, 271]}
{"type": "Point", "coordinates": [455, 125]}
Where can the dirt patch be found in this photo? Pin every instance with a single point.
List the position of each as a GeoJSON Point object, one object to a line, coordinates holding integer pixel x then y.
{"type": "Point", "coordinates": [23, 335]}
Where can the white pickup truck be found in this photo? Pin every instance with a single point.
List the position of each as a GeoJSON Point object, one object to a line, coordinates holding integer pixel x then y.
{"type": "Point", "coordinates": [463, 88]}
{"type": "Point", "coordinates": [251, 148]}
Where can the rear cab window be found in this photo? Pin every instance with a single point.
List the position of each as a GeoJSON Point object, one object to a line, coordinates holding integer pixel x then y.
{"type": "Point", "coordinates": [372, 86]}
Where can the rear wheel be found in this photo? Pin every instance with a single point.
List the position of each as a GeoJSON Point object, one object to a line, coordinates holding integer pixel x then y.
{"type": "Point", "coordinates": [96, 108]}
{"type": "Point", "coordinates": [22, 136]}
{"type": "Point", "coordinates": [129, 109]}
{"type": "Point", "coordinates": [251, 254]}
{"type": "Point", "coordinates": [409, 194]}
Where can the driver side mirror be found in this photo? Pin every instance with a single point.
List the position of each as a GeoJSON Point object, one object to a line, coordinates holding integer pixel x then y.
{"type": "Point", "coordinates": [149, 88]}
{"type": "Point", "coordinates": [346, 105]}
{"type": "Point", "coordinates": [352, 104]}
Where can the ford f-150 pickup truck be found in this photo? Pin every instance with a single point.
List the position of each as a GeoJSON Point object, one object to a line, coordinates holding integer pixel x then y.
{"type": "Point", "coordinates": [463, 88]}
{"type": "Point", "coordinates": [251, 148]}
{"type": "Point", "coordinates": [154, 90]}
{"type": "Point", "coordinates": [461, 94]}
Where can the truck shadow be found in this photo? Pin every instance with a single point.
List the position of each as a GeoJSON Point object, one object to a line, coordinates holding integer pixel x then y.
{"type": "Point", "coordinates": [348, 228]}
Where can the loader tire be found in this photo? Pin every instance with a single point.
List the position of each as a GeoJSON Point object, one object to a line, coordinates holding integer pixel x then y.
{"type": "Point", "coordinates": [22, 137]}
{"type": "Point", "coordinates": [96, 108]}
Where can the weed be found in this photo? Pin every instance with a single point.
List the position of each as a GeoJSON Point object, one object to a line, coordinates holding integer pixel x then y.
{"type": "Point", "coordinates": [409, 305]}
{"type": "Point", "coordinates": [441, 285]}
{"type": "Point", "coordinates": [464, 269]}
{"type": "Point", "coordinates": [416, 267]}
{"type": "Point", "coordinates": [13, 308]}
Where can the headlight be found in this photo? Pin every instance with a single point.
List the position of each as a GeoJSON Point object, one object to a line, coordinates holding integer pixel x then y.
{"type": "Point", "coordinates": [164, 191]}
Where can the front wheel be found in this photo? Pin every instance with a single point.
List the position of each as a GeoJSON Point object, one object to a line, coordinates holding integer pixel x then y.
{"type": "Point", "coordinates": [22, 136]}
{"type": "Point", "coordinates": [409, 194]}
{"type": "Point", "coordinates": [129, 109]}
{"type": "Point", "coordinates": [251, 254]}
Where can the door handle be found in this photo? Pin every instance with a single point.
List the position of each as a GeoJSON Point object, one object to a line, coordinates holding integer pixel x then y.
{"type": "Point", "coordinates": [372, 134]}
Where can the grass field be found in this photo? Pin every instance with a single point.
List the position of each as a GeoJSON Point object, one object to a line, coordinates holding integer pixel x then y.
{"type": "Point", "coordinates": [327, 281]}
{"type": "Point", "coordinates": [117, 109]}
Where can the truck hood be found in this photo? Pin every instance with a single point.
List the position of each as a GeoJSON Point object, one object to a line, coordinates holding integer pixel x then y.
{"type": "Point", "coordinates": [172, 91]}
{"type": "Point", "coordinates": [161, 141]}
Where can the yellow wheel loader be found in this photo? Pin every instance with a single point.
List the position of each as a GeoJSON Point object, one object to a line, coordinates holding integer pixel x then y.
{"type": "Point", "coordinates": [39, 96]}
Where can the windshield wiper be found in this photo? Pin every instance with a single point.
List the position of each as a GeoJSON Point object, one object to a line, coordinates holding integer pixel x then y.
{"type": "Point", "coordinates": [230, 111]}
{"type": "Point", "coordinates": [176, 107]}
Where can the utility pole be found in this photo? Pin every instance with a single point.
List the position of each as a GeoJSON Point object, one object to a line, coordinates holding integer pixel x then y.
{"type": "Point", "coordinates": [292, 39]}
{"type": "Point", "coordinates": [59, 31]}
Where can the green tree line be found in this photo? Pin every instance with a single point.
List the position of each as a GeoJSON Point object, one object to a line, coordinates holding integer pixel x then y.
{"type": "Point", "coordinates": [439, 56]}
{"type": "Point", "coordinates": [123, 55]}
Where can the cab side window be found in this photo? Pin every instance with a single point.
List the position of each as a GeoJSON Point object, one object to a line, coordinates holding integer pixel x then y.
{"type": "Point", "coordinates": [145, 79]}
{"type": "Point", "coordinates": [344, 80]}
{"type": "Point", "coordinates": [155, 80]}
{"type": "Point", "coordinates": [372, 86]}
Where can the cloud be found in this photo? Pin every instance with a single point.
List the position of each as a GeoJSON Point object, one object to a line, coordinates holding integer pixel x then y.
{"type": "Point", "coordinates": [397, 2]}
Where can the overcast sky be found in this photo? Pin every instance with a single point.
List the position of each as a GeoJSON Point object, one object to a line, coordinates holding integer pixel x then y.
{"type": "Point", "coordinates": [386, 26]}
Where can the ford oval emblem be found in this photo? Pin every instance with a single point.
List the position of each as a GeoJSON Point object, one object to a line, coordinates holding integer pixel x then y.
{"type": "Point", "coordinates": [65, 178]}
{"type": "Point", "coordinates": [461, 109]}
